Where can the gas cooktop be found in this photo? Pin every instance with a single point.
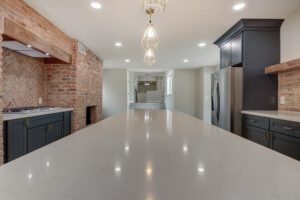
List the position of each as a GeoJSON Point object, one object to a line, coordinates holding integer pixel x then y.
{"type": "Point", "coordinates": [26, 110]}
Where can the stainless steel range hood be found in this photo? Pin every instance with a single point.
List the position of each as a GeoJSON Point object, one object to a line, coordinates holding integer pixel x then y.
{"type": "Point", "coordinates": [24, 49]}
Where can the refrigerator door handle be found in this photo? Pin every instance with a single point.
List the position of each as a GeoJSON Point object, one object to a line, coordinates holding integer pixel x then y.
{"type": "Point", "coordinates": [212, 103]}
{"type": "Point", "coordinates": [218, 100]}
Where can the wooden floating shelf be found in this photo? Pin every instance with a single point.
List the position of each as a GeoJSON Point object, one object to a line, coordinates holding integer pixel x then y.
{"type": "Point", "coordinates": [284, 67]}
{"type": "Point", "coordinates": [13, 31]}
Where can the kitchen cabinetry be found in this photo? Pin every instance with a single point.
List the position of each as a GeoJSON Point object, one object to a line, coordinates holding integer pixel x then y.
{"type": "Point", "coordinates": [15, 138]}
{"type": "Point", "coordinates": [55, 132]}
{"type": "Point", "coordinates": [257, 135]}
{"type": "Point", "coordinates": [253, 44]}
{"type": "Point", "coordinates": [23, 136]}
{"type": "Point", "coordinates": [279, 135]}
{"type": "Point", "coordinates": [36, 138]}
{"type": "Point", "coordinates": [231, 52]}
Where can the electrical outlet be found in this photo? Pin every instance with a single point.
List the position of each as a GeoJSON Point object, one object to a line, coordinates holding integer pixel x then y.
{"type": "Point", "coordinates": [282, 100]}
{"type": "Point", "coordinates": [40, 100]}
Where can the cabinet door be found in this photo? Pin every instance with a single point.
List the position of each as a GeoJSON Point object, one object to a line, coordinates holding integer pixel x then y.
{"type": "Point", "coordinates": [225, 55]}
{"type": "Point", "coordinates": [37, 137]}
{"type": "Point", "coordinates": [67, 123]}
{"type": "Point", "coordinates": [256, 135]}
{"type": "Point", "coordinates": [236, 50]}
{"type": "Point", "coordinates": [55, 132]}
{"type": "Point", "coordinates": [16, 139]}
{"type": "Point", "coordinates": [286, 145]}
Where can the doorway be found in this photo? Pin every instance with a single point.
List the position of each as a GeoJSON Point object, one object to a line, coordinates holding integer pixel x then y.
{"type": "Point", "coordinates": [146, 90]}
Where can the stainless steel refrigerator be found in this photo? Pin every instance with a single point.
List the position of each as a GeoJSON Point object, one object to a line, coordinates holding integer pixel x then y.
{"type": "Point", "coordinates": [227, 98]}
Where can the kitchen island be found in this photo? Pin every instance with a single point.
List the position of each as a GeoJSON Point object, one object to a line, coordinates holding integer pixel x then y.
{"type": "Point", "coordinates": [151, 155]}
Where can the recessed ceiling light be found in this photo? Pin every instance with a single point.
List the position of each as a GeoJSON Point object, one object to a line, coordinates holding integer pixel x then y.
{"type": "Point", "coordinates": [239, 6]}
{"type": "Point", "coordinates": [127, 60]}
{"type": "Point", "coordinates": [202, 44]}
{"type": "Point", "coordinates": [47, 54]}
{"type": "Point", "coordinates": [29, 46]}
{"type": "Point", "coordinates": [186, 60]}
{"type": "Point", "coordinates": [96, 5]}
{"type": "Point", "coordinates": [118, 44]}
{"type": "Point", "coordinates": [201, 169]}
{"type": "Point", "coordinates": [118, 169]}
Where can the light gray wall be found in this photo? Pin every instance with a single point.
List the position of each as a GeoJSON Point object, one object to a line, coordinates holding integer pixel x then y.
{"type": "Point", "coordinates": [290, 37]}
{"type": "Point", "coordinates": [192, 92]}
{"type": "Point", "coordinates": [185, 95]}
{"type": "Point", "coordinates": [114, 92]}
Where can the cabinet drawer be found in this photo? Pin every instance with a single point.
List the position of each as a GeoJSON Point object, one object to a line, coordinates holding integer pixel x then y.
{"type": "Point", "coordinates": [44, 120]}
{"type": "Point", "coordinates": [285, 127]}
{"type": "Point", "coordinates": [256, 121]}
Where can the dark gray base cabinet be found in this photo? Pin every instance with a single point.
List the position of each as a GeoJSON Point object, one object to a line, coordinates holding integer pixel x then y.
{"type": "Point", "coordinates": [23, 136]}
{"type": "Point", "coordinates": [279, 135]}
{"type": "Point", "coordinates": [257, 135]}
{"type": "Point", "coordinates": [286, 145]}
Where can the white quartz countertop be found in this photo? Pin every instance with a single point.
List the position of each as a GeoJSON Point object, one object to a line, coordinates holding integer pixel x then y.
{"type": "Point", "coordinates": [151, 155]}
{"type": "Point", "coordinates": [275, 114]}
{"type": "Point", "coordinates": [13, 116]}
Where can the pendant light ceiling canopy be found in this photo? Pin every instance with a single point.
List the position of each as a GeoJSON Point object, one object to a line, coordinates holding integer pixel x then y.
{"type": "Point", "coordinates": [154, 6]}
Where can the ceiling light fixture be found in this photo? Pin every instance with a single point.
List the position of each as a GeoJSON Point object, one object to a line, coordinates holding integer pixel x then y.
{"type": "Point", "coordinates": [149, 58]}
{"type": "Point", "coordinates": [29, 46]}
{"type": "Point", "coordinates": [127, 60]}
{"type": "Point", "coordinates": [154, 6]}
{"type": "Point", "coordinates": [118, 44]}
{"type": "Point", "coordinates": [186, 60]}
{"type": "Point", "coordinates": [202, 44]}
{"type": "Point", "coordinates": [201, 169]}
{"type": "Point", "coordinates": [96, 5]}
{"type": "Point", "coordinates": [239, 6]}
{"type": "Point", "coordinates": [150, 39]}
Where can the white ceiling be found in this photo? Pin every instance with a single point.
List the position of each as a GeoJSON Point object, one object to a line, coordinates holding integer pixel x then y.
{"type": "Point", "coordinates": [184, 24]}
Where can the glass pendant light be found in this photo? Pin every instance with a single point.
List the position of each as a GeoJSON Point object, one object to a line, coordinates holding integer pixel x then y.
{"type": "Point", "coordinates": [154, 6]}
{"type": "Point", "coordinates": [150, 39]}
{"type": "Point", "coordinates": [149, 58]}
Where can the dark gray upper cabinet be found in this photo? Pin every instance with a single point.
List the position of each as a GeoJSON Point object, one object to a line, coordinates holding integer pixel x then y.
{"type": "Point", "coordinates": [236, 50]}
{"type": "Point", "coordinates": [254, 44]}
{"type": "Point", "coordinates": [225, 55]}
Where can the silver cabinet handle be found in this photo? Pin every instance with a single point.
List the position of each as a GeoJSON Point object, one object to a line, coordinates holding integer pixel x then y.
{"type": "Point", "coordinates": [288, 128]}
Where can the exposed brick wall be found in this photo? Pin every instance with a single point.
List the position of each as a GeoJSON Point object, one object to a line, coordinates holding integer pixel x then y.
{"type": "Point", "coordinates": [23, 79]}
{"type": "Point", "coordinates": [61, 88]}
{"type": "Point", "coordinates": [60, 85]}
{"type": "Point", "coordinates": [289, 87]}
{"type": "Point", "coordinates": [21, 13]}
{"type": "Point", "coordinates": [88, 86]}
{"type": "Point", "coordinates": [77, 85]}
